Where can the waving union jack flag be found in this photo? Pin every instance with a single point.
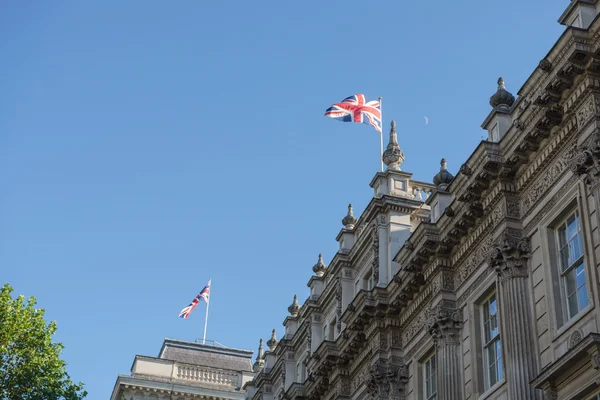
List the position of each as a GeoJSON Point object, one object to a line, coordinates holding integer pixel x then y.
{"type": "Point", "coordinates": [203, 295]}
{"type": "Point", "coordinates": [357, 109]}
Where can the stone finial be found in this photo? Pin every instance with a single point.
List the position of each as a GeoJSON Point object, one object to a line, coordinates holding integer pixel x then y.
{"type": "Point", "coordinates": [443, 178]}
{"type": "Point", "coordinates": [260, 350]}
{"type": "Point", "coordinates": [502, 98]}
{"type": "Point", "coordinates": [393, 157]}
{"type": "Point", "coordinates": [259, 363]}
{"type": "Point", "coordinates": [349, 220]}
{"type": "Point", "coordinates": [294, 309]}
{"type": "Point", "coordinates": [319, 268]}
{"type": "Point", "coordinates": [272, 343]}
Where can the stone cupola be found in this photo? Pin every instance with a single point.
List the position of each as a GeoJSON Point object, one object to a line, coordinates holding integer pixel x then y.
{"type": "Point", "coordinates": [443, 178]}
{"type": "Point", "coordinates": [393, 157]}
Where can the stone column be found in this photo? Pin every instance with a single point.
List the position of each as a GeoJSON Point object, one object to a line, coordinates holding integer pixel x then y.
{"type": "Point", "coordinates": [520, 358]}
{"type": "Point", "coordinates": [444, 325]}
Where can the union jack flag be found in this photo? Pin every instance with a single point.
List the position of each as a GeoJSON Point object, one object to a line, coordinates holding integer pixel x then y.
{"type": "Point", "coordinates": [203, 295]}
{"type": "Point", "coordinates": [357, 109]}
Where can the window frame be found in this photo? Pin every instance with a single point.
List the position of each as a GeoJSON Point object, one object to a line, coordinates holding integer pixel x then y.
{"type": "Point", "coordinates": [486, 344]}
{"type": "Point", "coordinates": [563, 272]}
{"type": "Point", "coordinates": [430, 359]}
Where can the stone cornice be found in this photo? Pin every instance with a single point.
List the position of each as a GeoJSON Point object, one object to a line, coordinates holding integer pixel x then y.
{"type": "Point", "coordinates": [579, 352]}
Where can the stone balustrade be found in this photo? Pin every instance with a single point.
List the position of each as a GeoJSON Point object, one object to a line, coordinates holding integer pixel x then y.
{"type": "Point", "coordinates": [187, 373]}
{"type": "Point", "coordinates": [421, 191]}
{"type": "Point", "coordinates": [206, 375]}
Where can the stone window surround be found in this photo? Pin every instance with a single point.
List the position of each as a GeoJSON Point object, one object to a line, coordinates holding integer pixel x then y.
{"type": "Point", "coordinates": [572, 199]}
{"type": "Point", "coordinates": [498, 337]}
{"type": "Point", "coordinates": [473, 307]}
{"type": "Point", "coordinates": [426, 351]}
{"type": "Point", "coordinates": [431, 357]}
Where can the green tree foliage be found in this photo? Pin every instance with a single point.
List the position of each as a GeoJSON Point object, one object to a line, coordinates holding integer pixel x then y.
{"type": "Point", "coordinates": [30, 364]}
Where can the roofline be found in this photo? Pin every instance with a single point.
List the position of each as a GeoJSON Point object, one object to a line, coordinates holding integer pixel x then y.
{"type": "Point", "coordinates": [205, 347]}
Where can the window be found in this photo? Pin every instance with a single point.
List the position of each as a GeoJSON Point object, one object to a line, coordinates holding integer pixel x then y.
{"type": "Point", "coordinates": [429, 376]}
{"type": "Point", "coordinates": [594, 397]}
{"type": "Point", "coordinates": [571, 266]}
{"type": "Point", "coordinates": [492, 348]}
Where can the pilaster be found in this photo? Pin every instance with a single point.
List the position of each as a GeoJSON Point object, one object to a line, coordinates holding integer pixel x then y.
{"type": "Point", "coordinates": [444, 324]}
{"type": "Point", "coordinates": [520, 361]}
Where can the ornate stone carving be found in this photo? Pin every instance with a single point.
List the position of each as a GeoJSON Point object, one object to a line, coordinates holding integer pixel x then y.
{"type": "Point", "coordinates": [575, 338]}
{"type": "Point", "coordinates": [375, 249]}
{"type": "Point", "coordinates": [547, 180]}
{"type": "Point", "coordinates": [444, 324]}
{"type": "Point", "coordinates": [465, 170]}
{"type": "Point", "coordinates": [513, 208]}
{"type": "Point", "coordinates": [471, 264]}
{"type": "Point", "coordinates": [595, 358]}
{"type": "Point", "coordinates": [338, 311]}
{"type": "Point", "coordinates": [450, 211]}
{"type": "Point", "coordinates": [345, 387]}
{"type": "Point", "coordinates": [308, 339]}
{"type": "Point", "coordinates": [545, 65]}
{"type": "Point", "coordinates": [587, 112]}
{"type": "Point", "coordinates": [518, 124]}
{"type": "Point", "coordinates": [510, 259]}
{"type": "Point", "coordinates": [586, 163]}
{"type": "Point", "coordinates": [551, 393]}
{"type": "Point", "coordinates": [377, 385]}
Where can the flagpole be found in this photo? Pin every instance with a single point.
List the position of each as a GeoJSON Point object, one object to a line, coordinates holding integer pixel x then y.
{"type": "Point", "coordinates": [381, 134]}
{"type": "Point", "coordinates": [206, 319]}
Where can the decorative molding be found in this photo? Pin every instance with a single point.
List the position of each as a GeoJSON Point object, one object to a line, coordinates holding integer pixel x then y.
{"type": "Point", "coordinates": [545, 65]}
{"type": "Point", "coordinates": [586, 163]}
{"type": "Point", "coordinates": [510, 259]}
{"type": "Point", "coordinates": [575, 338]}
{"type": "Point", "coordinates": [471, 264]}
{"type": "Point", "coordinates": [444, 323]}
{"type": "Point", "coordinates": [550, 204]}
{"type": "Point", "coordinates": [588, 111]}
{"type": "Point", "coordinates": [547, 180]}
{"type": "Point", "coordinates": [465, 170]}
{"type": "Point", "coordinates": [375, 250]}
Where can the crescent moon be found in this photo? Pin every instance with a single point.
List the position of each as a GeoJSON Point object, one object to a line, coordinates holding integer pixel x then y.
{"type": "Point", "coordinates": [426, 121]}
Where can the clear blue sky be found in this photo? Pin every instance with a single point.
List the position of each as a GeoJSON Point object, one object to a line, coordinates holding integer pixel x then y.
{"type": "Point", "coordinates": [147, 146]}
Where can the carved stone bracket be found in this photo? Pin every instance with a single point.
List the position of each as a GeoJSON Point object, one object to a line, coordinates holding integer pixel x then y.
{"type": "Point", "coordinates": [586, 163]}
{"type": "Point", "coordinates": [444, 325]}
{"type": "Point", "coordinates": [510, 259]}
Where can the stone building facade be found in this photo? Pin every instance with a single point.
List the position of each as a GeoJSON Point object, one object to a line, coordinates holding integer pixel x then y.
{"type": "Point", "coordinates": [185, 371]}
{"type": "Point", "coordinates": [481, 285]}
